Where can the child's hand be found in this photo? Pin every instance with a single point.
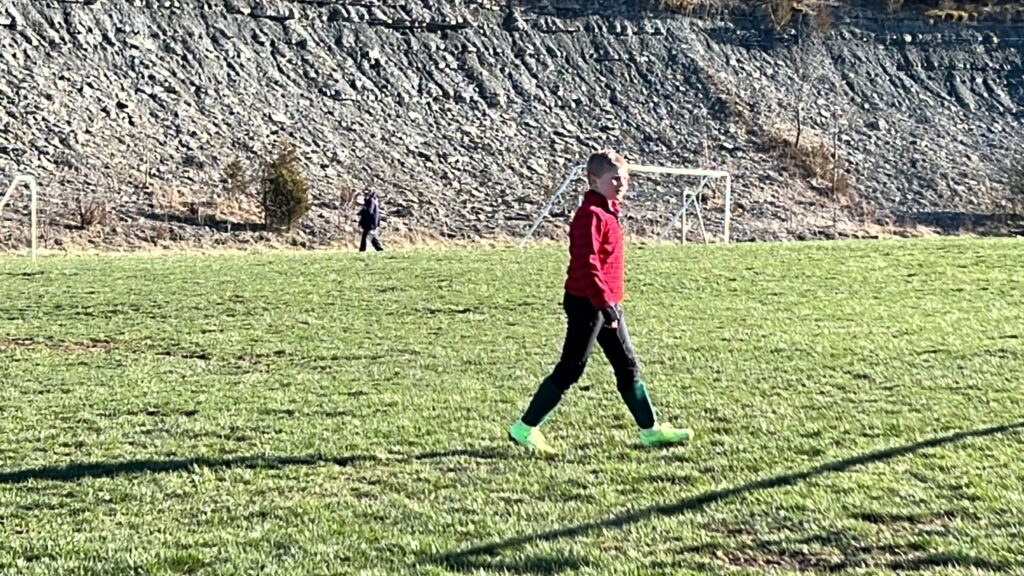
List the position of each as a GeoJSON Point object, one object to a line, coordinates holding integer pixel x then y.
{"type": "Point", "coordinates": [611, 318]}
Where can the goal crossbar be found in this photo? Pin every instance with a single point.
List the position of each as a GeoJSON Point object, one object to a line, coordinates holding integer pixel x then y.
{"type": "Point", "coordinates": [32, 188]}
{"type": "Point", "coordinates": [679, 171]}
{"type": "Point", "coordinates": [689, 197]}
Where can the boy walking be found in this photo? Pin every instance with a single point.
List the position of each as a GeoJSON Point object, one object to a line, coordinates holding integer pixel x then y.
{"type": "Point", "coordinates": [369, 221]}
{"type": "Point", "coordinates": [593, 308]}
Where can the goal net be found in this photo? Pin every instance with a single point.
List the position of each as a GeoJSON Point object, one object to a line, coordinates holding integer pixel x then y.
{"type": "Point", "coordinates": [30, 183]}
{"type": "Point", "coordinates": [699, 201]}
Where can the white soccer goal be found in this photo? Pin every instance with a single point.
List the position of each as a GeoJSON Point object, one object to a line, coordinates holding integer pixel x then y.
{"type": "Point", "coordinates": [690, 198]}
{"type": "Point", "coordinates": [32, 188]}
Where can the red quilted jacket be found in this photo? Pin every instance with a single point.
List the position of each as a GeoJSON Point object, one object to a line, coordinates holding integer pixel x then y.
{"type": "Point", "coordinates": [596, 253]}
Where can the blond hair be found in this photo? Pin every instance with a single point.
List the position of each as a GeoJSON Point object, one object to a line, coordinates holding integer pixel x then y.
{"type": "Point", "coordinates": [604, 161]}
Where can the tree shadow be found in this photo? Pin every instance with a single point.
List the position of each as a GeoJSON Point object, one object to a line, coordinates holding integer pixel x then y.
{"type": "Point", "coordinates": [957, 222]}
{"type": "Point", "coordinates": [836, 551]}
{"type": "Point", "coordinates": [539, 565]}
{"type": "Point", "coordinates": [469, 559]}
{"type": "Point", "coordinates": [212, 222]}
{"type": "Point", "coordinates": [931, 562]}
{"type": "Point", "coordinates": [479, 454]}
{"type": "Point", "coordinates": [81, 471]}
{"type": "Point", "coordinates": [445, 311]}
{"type": "Point", "coordinates": [85, 470]}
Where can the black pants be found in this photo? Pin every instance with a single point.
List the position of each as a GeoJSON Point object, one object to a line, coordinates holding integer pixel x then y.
{"type": "Point", "coordinates": [372, 236]}
{"type": "Point", "coordinates": [585, 326]}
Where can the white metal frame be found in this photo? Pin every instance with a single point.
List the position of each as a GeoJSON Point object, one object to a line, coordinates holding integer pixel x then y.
{"type": "Point", "coordinates": [689, 197]}
{"type": "Point", "coordinates": [33, 191]}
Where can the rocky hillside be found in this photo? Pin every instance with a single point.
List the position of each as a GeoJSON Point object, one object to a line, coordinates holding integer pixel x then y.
{"type": "Point", "coordinates": [466, 114]}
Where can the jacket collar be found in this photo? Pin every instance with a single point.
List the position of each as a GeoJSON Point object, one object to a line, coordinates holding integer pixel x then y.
{"type": "Point", "coordinates": [594, 198]}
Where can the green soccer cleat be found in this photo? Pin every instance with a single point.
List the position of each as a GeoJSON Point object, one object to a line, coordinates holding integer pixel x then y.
{"type": "Point", "coordinates": [665, 435]}
{"type": "Point", "coordinates": [530, 438]}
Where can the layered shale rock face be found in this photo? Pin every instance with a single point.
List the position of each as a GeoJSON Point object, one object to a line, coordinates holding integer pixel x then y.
{"type": "Point", "coordinates": [465, 115]}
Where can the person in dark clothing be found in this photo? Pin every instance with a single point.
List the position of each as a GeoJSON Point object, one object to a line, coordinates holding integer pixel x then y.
{"type": "Point", "coordinates": [594, 290]}
{"type": "Point", "coordinates": [369, 221]}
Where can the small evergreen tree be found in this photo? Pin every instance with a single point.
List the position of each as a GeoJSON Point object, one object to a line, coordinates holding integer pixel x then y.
{"type": "Point", "coordinates": [285, 194]}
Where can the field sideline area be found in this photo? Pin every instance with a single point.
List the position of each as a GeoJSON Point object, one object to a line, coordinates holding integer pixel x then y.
{"type": "Point", "coordinates": [859, 408]}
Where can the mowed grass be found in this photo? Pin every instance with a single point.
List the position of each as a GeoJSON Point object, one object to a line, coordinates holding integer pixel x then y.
{"type": "Point", "coordinates": [859, 408]}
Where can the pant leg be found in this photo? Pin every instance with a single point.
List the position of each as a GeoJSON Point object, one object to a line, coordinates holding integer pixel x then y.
{"type": "Point", "coordinates": [618, 348]}
{"type": "Point", "coordinates": [377, 245]}
{"type": "Point", "coordinates": [362, 243]}
{"type": "Point", "coordinates": [583, 322]}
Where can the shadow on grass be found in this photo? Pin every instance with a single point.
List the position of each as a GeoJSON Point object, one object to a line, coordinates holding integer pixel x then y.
{"type": "Point", "coordinates": [830, 552]}
{"type": "Point", "coordinates": [476, 557]}
{"type": "Point", "coordinates": [930, 562]}
{"type": "Point", "coordinates": [539, 565]}
{"type": "Point", "coordinates": [482, 454]}
{"type": "Point", "coordinates": [81, 471]}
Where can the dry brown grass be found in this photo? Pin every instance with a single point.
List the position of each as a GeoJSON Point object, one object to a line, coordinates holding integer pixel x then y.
{"type": "Point", "coordinates": [1016, 181]}
{"type": "Point", "coordinates": [951, 15]}
{"type": "Point", "coordinates": [812, 160]}
{"type": "Point", "coordinates": [89, 212]}
{"type": "Point", "coordinates": [237, 180]}
{"type": "Point", "coordinates": [680, 5]}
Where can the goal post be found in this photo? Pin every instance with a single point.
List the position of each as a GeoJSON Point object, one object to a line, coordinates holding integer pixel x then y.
{"type": "Point", "coordinates": [690, 198]}
{"type": "Point", "coordinates": [30, 182]}
{"type": "Point", "coordinates": [569, 178]}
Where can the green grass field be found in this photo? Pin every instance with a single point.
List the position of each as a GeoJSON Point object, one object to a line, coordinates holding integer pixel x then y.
{"type": "Point", "coordinates": [859, 408]}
